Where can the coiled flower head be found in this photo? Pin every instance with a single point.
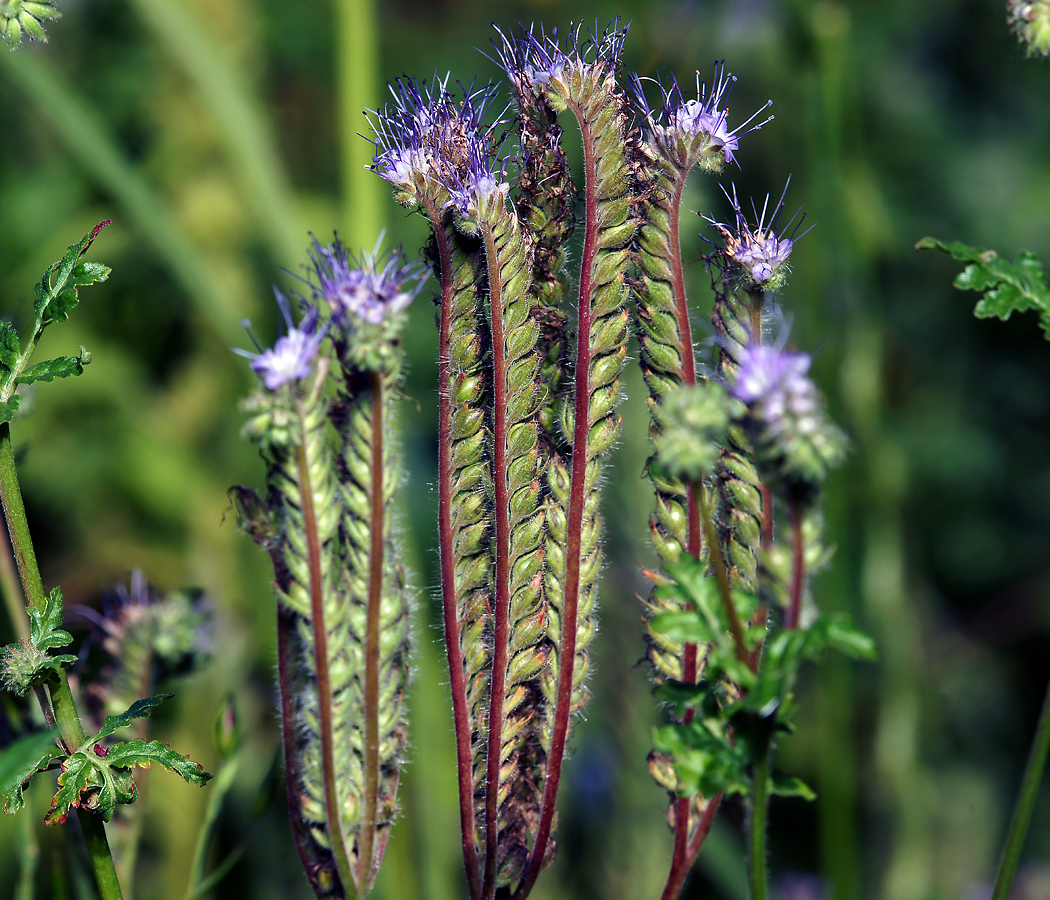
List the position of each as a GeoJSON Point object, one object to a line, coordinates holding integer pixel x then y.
{"type": "Point", "coordinates": [425, 134]}
{"type": "Point", "coordinates": [696, 132]}
{"type": "Point", "coordinates": [292, 356]}
{"type": "Point", "coordinates": [760, 252]}
{"type": "Point", "coordinates": [18, 16]}
{"type": "Point", "coordinates": [1030, 20]}
{"type": "Point", "coordinates": [795, 443]}
{"type": "Point", "coordinates": [539, 62]}
{"type": "Point", "coordinates": [477, 191]}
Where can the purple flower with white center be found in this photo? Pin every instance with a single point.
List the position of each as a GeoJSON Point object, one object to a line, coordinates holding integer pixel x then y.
{"type": "Point", "coordinates": [695, 132]}
{"type": "Point", "coordinates": [538, 62]}
{"type": "Point", "coordinates": [292, 356]}
{"type": "Point", "coordinates": [369, 291]}
{"type": "Point", "coordinates": [425, 132]}
{"type": "Point", "coordinates": [761, 250]}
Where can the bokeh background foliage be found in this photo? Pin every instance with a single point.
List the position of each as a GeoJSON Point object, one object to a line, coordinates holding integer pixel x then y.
{"type": "Point", "coordinates": [217, 132]}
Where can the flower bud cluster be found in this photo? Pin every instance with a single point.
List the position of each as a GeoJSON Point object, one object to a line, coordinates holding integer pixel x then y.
{"type": "Point", "coordinates": [25, 16]}
{"type": "Point", "coordinates": [365, 301]}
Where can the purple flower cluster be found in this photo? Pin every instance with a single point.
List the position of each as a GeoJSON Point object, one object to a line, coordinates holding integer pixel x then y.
{"type": "Point", "coordinates": [692, 132]}
{"type": "Point", "coordinates": [367, 291]}
{"type": "Point", "coordinates": [425, 136]}
{"type": "Point", "coordinates": [773, 376]}
{"type": "Point", "coordinates": [761, 250]}
{"type": "Point", "coordinates": [292, 356]}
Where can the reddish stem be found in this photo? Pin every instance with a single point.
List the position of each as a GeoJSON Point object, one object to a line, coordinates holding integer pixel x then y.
{"type": "Point", "coordinates": [450, 612]}
{"type": "Point", "coordinates": [682, 863]}
{"type": "Point", "coordinates": [682, 859]}
{"type": "Point", "coordinates": [323, 676]}
{"type": "Point", "coordinates": [577, 497]}
{"type": "Point", "coordinates": [501, 624]}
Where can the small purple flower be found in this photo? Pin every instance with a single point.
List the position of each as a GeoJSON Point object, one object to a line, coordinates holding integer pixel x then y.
{"type": "Point", "coordinates": [292, 355]}
{"type": "Point", "coordinates": [540, 63]}
{"type": "Point", "coordinates": [695, 132]}
{"type": "Point", "coordinates": [370, 290]}
{"type": "Point", "coordinates": [761, 250]}
{"type": "Point", "coordinates": [772, 375]}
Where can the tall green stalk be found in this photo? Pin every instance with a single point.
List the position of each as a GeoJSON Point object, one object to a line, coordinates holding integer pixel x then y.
{"type": "Point", "coordinates": [61, 698]}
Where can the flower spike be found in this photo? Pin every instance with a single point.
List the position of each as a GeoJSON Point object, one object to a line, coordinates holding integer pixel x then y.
{"type": "Point", "coordinates": [695, 132]}
{"type": "Point", "coordinates": [542, 63]}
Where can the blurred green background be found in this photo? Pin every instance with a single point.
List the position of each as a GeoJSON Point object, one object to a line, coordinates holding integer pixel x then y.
{"type": "Point", "coordinates": [217, 134]}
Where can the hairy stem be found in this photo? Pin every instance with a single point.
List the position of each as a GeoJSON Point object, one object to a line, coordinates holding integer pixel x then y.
{"type": "Point", "coordinates": [457, 681]}
{"type": "Point", "coordinates": [13, 599]}
{"type": "Point", "coordinates": [286, 637]}
{"type": "Point", "coordinates": [501, 630]}
{"type": "Point", "coordinates": [1033, 775]}
{"type": "Point", "coordinates": [323, 675]}
{"type": "Point", "coordinates": [759, 808]}
{"type": "Point", "coordinates": [682, 861]}
{"type": "Point", "coordinates": [577, 495]}
{"type": "Point", "coordinates": [372, 636]}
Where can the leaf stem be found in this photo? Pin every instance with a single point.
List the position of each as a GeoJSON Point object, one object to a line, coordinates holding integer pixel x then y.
{"type": "Point", "coordinates": [446, 543]}
{"type": "Point", "coordinates": [1026, 797]}
{"type": "Point", "coordinates": [501, 629]}
{"type": "Point", "coordinates": [324, 682]}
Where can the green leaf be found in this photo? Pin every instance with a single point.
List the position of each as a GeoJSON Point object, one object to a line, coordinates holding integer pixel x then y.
{"type": "Point", "coordinates": [685, 626]}
{"type": "Point", "coordinates": [8, 408]}
{"type": "Point", "coordinates": [1008, 287]}
{"type": "Point", "coordinates": [74, 779]}
{"type": "Point", "coordinates": [10, 348]}
{"type": "Point", "coordinates": [140, 709]}
{"type": "Point", "coordinates": [144, 753]}
{"type": "Point", "coordinates": [44, 626]}
{"type": "Point", "coordinates": [789, 786]}
{"type": "Point", "coordinates": [50, 369]}
{"type": "Point", "coordinates": [20, 762]}
{"type": "Point", "coordinates": [90, 273]}
{"type": "Point", "coordinates": [839, 633]}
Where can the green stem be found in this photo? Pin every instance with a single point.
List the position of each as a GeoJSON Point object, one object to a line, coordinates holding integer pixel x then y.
{"type": "Point", "coordinates": [13, 599]}
{"type": "Point", "coordinates": [357, 40]}
{"type": "Point", "coordinates": [714, 549]}
{"type": "Point", "coordinates": [62, 703]}
{"type": "Point", "coordinates": [1033, 775]}
{"type": "Point", "coordinates": [759, 808]}
{"type": "Point", "coordinates": [94, 831]}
